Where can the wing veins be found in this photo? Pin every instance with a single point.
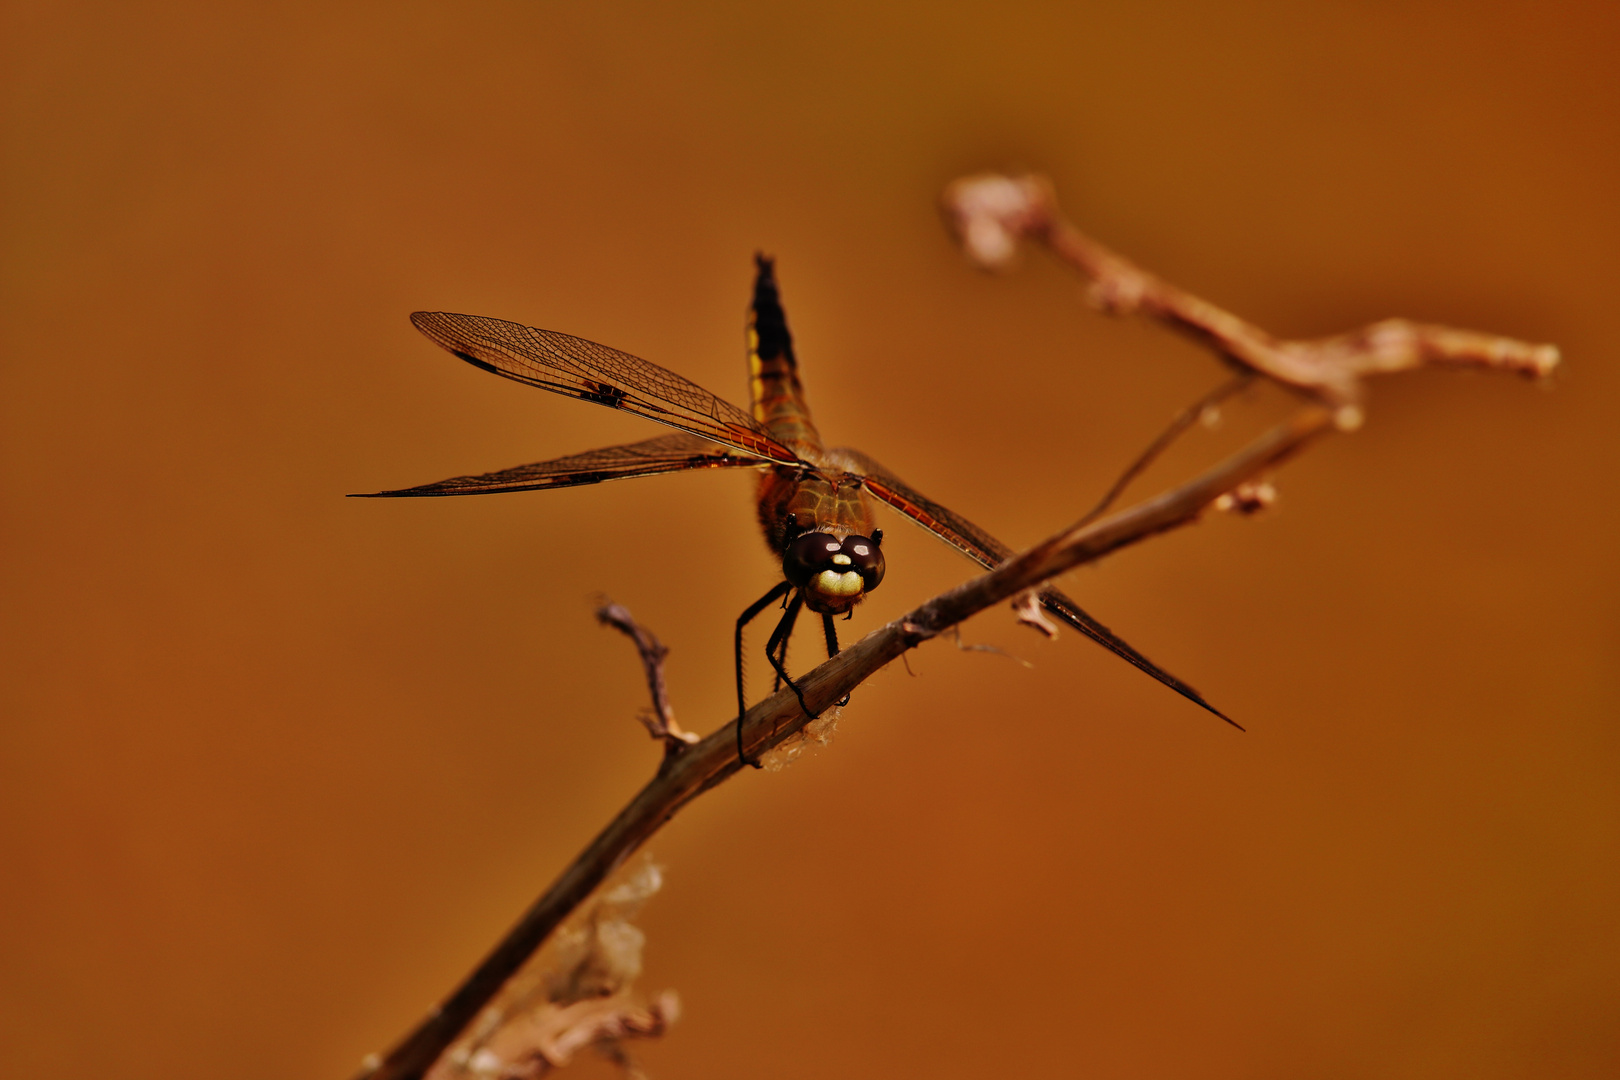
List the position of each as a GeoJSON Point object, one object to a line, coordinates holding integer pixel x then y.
{"type": "Point", "coordinates": [588, 371]}
{"type": "Point", "coordinates": [988, 552]}
{"type": "Point", "coordinates": [679, 452]}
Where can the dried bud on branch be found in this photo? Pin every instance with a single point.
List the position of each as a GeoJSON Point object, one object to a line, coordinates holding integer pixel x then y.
{"type": "Point", "coordinates": [1249, 498]}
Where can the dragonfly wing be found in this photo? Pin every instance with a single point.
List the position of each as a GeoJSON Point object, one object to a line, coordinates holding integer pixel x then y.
{"type": "Point", "coordinates": [590, 372]}
{"type": "Point", "coordinates": [667, 453]}
{"type": "Point", "coordinates": [988, 552]}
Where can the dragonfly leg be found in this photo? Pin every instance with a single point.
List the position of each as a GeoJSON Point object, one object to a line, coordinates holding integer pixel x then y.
{"type": "Point", "coordinates": [780, 589]}
{"type": "Point", "coordinates": [778, 640]}
{"type": "Point", "coordinates": [781, 653]}
{"type": "Point", "coordinates": [832, 646]}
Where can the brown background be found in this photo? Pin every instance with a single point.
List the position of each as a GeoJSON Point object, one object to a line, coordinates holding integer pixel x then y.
{"type": "Point", "coordinates": [277, 767]}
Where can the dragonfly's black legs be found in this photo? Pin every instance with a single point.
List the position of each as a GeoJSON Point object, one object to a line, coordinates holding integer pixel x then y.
{"type": "Point", "coordinates": [743, 620]}
{"type": "Point", "coordinates": [781, 654]}
{"type": "Point", "coordinates": [832, 635]}
{"type": "Point", "coordinates": [832, 645]}
{"type": "Point", "coordinates": [781, 660]}
{"type": "Point", "coordinates": [779, 637]}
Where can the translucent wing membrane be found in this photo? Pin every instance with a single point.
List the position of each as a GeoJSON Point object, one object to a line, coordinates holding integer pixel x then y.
{"type": "Point", "coordinates": [989, 553]}
{"type": "Point", "coordinates": [716, 435]}
{"type": "Point", "coordinates": [667, 453]}
{"type": "Point", "coordinates": [591, 372]}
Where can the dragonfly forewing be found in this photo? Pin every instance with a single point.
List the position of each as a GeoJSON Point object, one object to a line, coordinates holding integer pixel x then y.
{"type": "Point", "coordinates": [587, 371]}
{"type": "Point", "coordinates": [667, 453]}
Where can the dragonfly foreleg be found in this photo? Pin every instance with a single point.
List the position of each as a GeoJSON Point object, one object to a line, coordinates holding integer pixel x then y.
{"type": "Point", "coordinates": [780, 663]}
{"type": "Point", "coordinates": [778, 641]}
{"type": "Point", "coordinates": [779, 589]}
{"type": "Point", "coordinates": [832, 646]}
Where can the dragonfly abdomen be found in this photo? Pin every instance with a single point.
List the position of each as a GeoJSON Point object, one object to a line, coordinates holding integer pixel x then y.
{"type": "Point", "coordinates": [774, 388]}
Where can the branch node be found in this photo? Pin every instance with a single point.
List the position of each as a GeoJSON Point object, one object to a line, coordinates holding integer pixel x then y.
{"type": "Point", "coordinates": [915, 633]}
{"type": "Point", "coordinates": [1120, 293]}
{"type": "Point", "coordinates": [1028, 611]}
{"type": "Point", "coordinates": [1247, 498]}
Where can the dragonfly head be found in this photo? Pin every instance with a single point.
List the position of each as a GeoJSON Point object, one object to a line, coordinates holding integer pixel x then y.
{"type": "Point", "coordinates": [833, 574]}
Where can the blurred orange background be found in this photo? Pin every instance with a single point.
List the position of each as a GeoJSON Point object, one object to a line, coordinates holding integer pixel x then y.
{"type": "Point", "coordinates": [277, 767]}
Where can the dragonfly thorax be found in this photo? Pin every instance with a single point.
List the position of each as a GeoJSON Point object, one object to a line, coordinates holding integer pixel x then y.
{"type": "Point", "coordinates": [833, 573]}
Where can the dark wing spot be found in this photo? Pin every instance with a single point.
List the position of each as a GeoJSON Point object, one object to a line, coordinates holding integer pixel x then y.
{"type": "Point", "coordinates": [602, 394]}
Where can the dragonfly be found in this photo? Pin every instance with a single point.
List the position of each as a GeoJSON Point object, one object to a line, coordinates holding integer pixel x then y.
{"type": "Point", "coordinates": [816, 505]}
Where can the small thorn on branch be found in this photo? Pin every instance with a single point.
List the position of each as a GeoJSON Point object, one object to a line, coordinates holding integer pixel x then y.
{"type": "Point", "coordinates": [1028, 611]}
{"type": "Point", "coordinates": [1247, 498]}
{"type": "Point", "coordinates": [981, 647]}
{"type": "Point", "coordinates": [660, 719]}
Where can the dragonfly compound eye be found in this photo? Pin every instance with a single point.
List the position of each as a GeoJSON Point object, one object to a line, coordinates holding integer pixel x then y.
{"type": "Point", "coordinates": [833, 573]}
{"type": "Point", "coordinates": [810, 554]}
{"type": "Point", "coordinates": [866, 559]}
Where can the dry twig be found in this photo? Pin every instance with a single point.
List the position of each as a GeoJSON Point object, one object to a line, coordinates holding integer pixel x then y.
{"type": "Point", "coordinates": [577, 995]}
{"type": "Point", "coordinates": [660, 722]}
{"type": "Point", "coordinates": [1185, 419]}
{"type": "Point", "coordinates": [991, 214]}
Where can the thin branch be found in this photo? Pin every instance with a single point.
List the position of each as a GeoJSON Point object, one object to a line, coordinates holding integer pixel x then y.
{"type": "Point", "coordinates": [714, 758]}
{"type": "Point", "coordinates": [660, 721]}
{"type": "Point", "coordinates": [1184, 420]}
{"type": "Point", "coordinates": [991, 214]}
